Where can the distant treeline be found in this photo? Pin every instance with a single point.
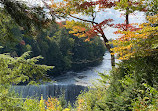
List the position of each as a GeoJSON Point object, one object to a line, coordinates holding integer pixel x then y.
{"type": "Point", "coordinates": [59, 48]}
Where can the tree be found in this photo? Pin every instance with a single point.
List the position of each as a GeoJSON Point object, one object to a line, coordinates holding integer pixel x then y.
{"type": "Point", "coordinates": [30, 19]}
{"type": "Point", "coordinates": [8, 30]}
{"type": "Point", "coordinates": [21, 69]}
{"type": "Point", "coordinates": [133, 84]}
{"type": "Point", "coordinates": [89, 27]}
{"type": "Point", "coordinates": [83, 27]}
{"type": "Point", "coordinates": [16, 70]}
{"type": "Point", "coordinates": [136, 40]}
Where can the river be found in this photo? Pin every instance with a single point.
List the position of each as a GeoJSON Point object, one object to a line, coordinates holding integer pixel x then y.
{"type": "Point", "coordinates": [88, 76]}
{"type": "Point", "coordinates": [70, 84]}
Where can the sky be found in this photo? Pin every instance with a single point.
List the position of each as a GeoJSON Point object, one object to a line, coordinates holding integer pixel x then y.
{"type": "Point", "coordinates": [117, 16]}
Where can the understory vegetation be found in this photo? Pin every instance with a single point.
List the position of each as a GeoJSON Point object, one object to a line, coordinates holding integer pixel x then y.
{"type": "Point", "coordinates": [132, 86]}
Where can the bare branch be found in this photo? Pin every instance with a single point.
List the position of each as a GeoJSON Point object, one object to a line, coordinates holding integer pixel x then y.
{"type": "Point", "coordinates": [83, 19]}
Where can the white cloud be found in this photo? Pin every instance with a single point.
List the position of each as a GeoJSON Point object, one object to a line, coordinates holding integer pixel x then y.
{"type": "Point", "coordinates": [137, 17]}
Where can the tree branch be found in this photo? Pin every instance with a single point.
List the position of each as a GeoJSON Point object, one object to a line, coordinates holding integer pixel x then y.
{"type": "Point", "coordinates": [83, 19]}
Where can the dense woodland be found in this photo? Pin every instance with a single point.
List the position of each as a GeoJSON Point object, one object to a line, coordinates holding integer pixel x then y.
{"type": "Point", "coordinates": [59, 48]}
{"type": "Point", "coordinates": [132, 85]}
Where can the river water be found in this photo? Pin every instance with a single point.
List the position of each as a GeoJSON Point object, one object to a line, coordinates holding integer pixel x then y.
{"type": "Point", "coordinates": [88, 76]}
{"type": "Point", "coordinates": [70, 84]}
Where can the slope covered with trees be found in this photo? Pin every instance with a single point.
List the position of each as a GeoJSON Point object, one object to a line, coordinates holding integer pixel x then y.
{"type": "Point", "coordinates": [55, 44]}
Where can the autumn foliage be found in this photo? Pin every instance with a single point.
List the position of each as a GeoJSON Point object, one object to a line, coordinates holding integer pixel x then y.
{"type": "Point", "coordinates": [101, 3]}
{"type": "Point", "coordinates": [81, 27]}
{"type": "Point", "coordinates": [51, 104]}
{"type": "Point", "coordinates": [139, 41]}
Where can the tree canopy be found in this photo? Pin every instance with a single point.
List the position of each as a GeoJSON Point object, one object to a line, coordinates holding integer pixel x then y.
{"type": "Point", "coordinates": [83, 27]}
{"type": "Point", "coordinates": [140, 41]}
{"type": "Point", "coordinates": [31, 19]}
{"type": "Point", "coordinates": [89, 27]}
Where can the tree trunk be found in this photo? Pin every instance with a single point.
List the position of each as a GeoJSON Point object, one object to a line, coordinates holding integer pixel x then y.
{"type": "Point", "coordinates": [108, 48]}
{"type": "Point", "coordinates": [127, 20]}
{"type": "Point", "coordinates": [127, 17]}
{"type": "Point", "coordinates": [100, 30]}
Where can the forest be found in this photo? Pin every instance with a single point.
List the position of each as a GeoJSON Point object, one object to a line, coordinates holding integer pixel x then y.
{"type": "Point", "coordinates": [34, 46]}
{"type": "Point", "coordinates": [58, 48]}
